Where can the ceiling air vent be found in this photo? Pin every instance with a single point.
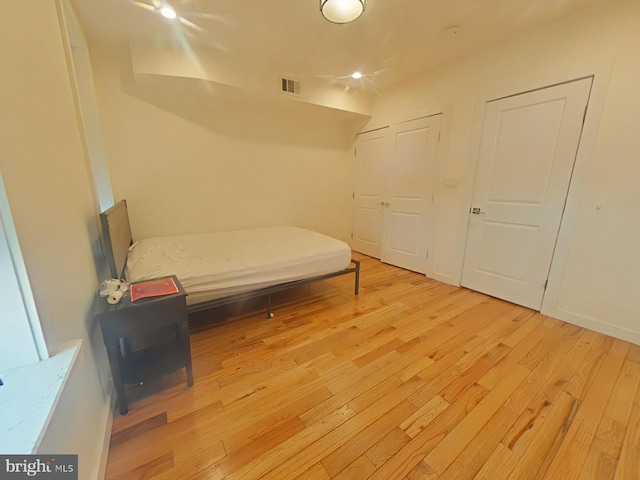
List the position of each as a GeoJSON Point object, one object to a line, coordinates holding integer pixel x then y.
{"type": "Point", "coordinates": [290, 86]}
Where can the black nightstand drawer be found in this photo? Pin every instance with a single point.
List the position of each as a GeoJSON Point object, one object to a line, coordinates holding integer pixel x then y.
{"type": "Point", "coordinates": [143, 318]}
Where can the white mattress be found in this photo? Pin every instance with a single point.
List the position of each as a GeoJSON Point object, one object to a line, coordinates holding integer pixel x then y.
{"type": "Point", "coordinates": [215, 265]}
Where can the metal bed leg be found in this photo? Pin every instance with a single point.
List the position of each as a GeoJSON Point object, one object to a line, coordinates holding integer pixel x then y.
{"type": "Point", "coordinates": [357, 286]}
{"type": "Point", "coordinates": [269, 312]}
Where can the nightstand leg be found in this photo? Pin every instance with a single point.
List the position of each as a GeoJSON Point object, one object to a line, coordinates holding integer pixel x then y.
{"type": "Point", "coordinates": [113, 351]}
{"type": "Point", "coordinates": [183, 333]}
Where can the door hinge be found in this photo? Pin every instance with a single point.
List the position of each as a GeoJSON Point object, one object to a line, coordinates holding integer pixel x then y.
{"type": "Point", "coordinates": [439, 133]}
{"type": "Point", "coordinates": [355, 151]}
{"type": "Point", "coordinates": [353, 195]}
{"type": "Point", "coordinates": [351, 235]}
{"type": "Point", "coordinates": [584, 116]}
{"type": "Point", "coordinates": [546, 282]}
{"type": "Point", "coordinates": [427, 254]}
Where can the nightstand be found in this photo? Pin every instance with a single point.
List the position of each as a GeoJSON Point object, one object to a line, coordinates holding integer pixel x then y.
{"type": "Point", "coordinates": [123, 322]}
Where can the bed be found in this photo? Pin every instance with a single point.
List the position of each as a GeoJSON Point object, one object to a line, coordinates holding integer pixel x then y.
{"type": "Point", "coordinates": [225, 267]}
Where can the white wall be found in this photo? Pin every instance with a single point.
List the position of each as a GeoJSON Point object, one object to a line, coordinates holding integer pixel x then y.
{"type": "Point", "coordinates": [47, 184]}
{"type": "Point", "coordinates": [191, 156]}
{"type": "Point", "coordinates": [596, 270]}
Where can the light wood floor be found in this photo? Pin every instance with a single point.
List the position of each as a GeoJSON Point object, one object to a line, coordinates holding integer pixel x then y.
{"type": "Point", "coordinates": [413, 379]}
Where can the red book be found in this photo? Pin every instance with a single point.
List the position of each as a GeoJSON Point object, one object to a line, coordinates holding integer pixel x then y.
{"type": "Point", "coordinates": [153, 288]}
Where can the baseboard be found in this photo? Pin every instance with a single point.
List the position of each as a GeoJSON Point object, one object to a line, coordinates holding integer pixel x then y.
{"type": "Point", "coordinates": [631, 336]}
{"type": "Point", "coordinates": [104, 456]}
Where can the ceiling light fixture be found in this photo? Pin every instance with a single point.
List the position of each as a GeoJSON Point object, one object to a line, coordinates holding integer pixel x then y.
{"type": "Point", "coordinates": [341, 11]}
{"type": "Point", "coordinates": [356, 75]}
{"type": "Point", "coordinates": [168, 12]}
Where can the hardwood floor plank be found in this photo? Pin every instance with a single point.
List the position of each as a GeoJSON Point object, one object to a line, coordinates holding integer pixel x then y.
{"type": "Point", "coordinates": [375, 385]}
{"type": "Point", "coordinates": [599, 465]}
{"type": "Point", "coordinates": [348, 452]}
{"type": "Point", "coordinates": [455, 441]}
{"type": "Point", "coordinates": [176, 402]}
{"type": "Point", "coordinates": [522, 348]}
{"type": "Point", "coordinates": [376, 353]}
{"type": "Point", "coordinates": [422, 471]}
{"type": "Point", "coordinates": [533, 461]}
{"type": "Point", "coordinates": [526, 328]}
{"type": "Point", "coordinates": [507, 324]}
{"type": "Point", "coordinates": [413, 424]}
{"type": "Point", "coordinates": [581, 382]}
{"type": "Point", "coordinates": [248, 452]}
{"type": "Point", "coordinates": [200, 464]}
{"type": "Point", "coordinates": [283, 452]}
{"type": "Point", "coordinates": [575, 447]}
{"type": "Point", "coordinates": [460, 329]}
{"type": "Point", "coordinates": [629, 462]}
{"type": "Point", "coordinates": [607, 444]}
{"type": "Point", "coordinates": [498, 465]}
{"type": "Point", "coordinates": [473, 373]}
{"type": "Point", "coordinates": [413, 452]}
{"type": "Point", "coordinates": [170, 437]}
{"type": "Point", "coordinates": [634, 354]}
{"type": "Point", "coordinates": [567, 368]}
{"type": "Point", "coordinates": [261, 426]}
{"type": "Point", "coordinates": [360, 469]}
{"type": "Point", "coordinates": [147, 470]}
{"type": "Point", "coordinates": [317, 472]}
{"type": "Point", "coordinates": [529, 401]}
{"type": "Point", "coordinates": [138, 429]}
{"type": "Point", "coordinates": [339, 436]}
{"type": "Point", "coordinates": [387, 447]}
{"type": "Point", "coordinates": [471, 459]}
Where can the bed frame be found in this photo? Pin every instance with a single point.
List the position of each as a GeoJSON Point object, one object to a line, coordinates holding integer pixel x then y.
{"type": "Point", "coordinates": [116, 233]}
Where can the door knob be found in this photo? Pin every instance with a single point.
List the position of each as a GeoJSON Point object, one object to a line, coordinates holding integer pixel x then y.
{"type": "Point", "coordinates": [477, 211]}
{"type": "Point", "coordinates": [387, 204]}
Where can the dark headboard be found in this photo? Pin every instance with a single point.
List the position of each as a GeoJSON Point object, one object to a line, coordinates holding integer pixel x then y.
{"type": "Point", "coordinates": [116, 232]}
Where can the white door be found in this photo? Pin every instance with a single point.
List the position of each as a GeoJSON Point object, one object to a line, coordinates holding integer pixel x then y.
{"type": "Point", "coordinates": [409, 193]}
{"type": "Point", "coordinates": [370, 171]}
{"type": "Point", "coordinates": [527, 151]}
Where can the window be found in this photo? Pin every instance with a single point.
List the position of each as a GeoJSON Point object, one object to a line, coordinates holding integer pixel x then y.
{"type": "Point", "coordinates": [21, 339]}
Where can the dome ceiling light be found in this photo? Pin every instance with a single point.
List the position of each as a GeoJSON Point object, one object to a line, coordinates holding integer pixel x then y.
{"type": "Point", "coordinates": [341, 11]}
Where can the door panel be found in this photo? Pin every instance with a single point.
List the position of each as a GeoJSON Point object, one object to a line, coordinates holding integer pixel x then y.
{"type": "Point", "coordinates": [404, 232]}
{"type": "Point", "coordinates": [409, 197]}
{"type": "Point", "coordinates": [497, 257]}
{"type": "Point", "coordinates": [370, 171]}
{"type": "Point", "coordinates": [527, 151]}
{"type": "Point", "coordinates": [523, 178]}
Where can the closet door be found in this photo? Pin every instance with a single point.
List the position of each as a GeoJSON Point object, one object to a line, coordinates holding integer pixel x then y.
{"type": "Point", "coordinates": [528, 148]}
{"type": "Point", "coordinates": [409, 193]}
{"type": "Point", "coordinates": [370, 171]}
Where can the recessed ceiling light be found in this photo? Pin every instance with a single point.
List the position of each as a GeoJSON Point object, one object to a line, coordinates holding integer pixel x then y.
{"type": "Point", "coordinates": [168, 12]}
{"type": "Point", "coordinates": [356, 75]}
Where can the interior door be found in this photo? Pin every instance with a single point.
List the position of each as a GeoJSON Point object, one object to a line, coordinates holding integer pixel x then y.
{"type": "Point", "coordinates": [409, 192]}
{"type": "Point", "coordinates": [527, 152]}
{"type": "Point", "coordinates": [370, 170]}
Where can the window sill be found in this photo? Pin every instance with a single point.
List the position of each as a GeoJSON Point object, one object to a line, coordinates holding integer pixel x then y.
{"type": "Point", "coordinates": [29, 396]}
